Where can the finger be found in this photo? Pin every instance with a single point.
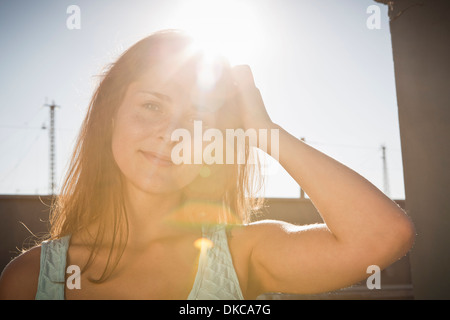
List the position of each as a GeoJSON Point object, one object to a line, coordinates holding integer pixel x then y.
{"type": "Point", "coordinates": [243, 76]}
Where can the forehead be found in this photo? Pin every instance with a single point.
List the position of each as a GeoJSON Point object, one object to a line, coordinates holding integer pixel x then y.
{"type": "Point", "coordinates": [182, 79]}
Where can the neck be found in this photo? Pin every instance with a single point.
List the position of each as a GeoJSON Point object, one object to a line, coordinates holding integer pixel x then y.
{"type": "Point", "coordinates": [149, 214]}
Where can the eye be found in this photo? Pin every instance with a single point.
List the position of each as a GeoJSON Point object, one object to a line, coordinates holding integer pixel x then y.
{"type": "Point", "coordinates": [152, 106]}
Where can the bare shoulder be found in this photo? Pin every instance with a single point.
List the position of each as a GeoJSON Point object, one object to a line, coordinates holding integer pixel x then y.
{"type": "Point", "coordinates": [262, 228]}
{"type": "Point", "coordinates": [247, 241]}
{"type": "Point", "coordinates": [19, 279]}
{"type": "Point", "coordinates": [244, 239]}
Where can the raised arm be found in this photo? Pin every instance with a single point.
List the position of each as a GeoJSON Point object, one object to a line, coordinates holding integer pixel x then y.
{"type": "Point", "coordinates": [362, 226]}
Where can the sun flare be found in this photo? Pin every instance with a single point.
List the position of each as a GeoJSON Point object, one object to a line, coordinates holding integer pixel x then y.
{"type": "Point", "coordinates": [227, 27]}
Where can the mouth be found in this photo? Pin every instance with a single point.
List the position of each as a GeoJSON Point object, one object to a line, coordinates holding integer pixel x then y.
{"type": "Point", "coordinates": [158, 159]}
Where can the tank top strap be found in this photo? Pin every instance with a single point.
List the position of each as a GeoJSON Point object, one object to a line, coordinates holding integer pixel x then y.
{"type": "Point", "coordinates": [216, 277]}
{"type": "Point", "coordinates": [52, 269]}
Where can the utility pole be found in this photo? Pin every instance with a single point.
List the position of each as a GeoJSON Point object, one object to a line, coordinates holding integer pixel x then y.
{"type": "Point", "coordinates": [302, 193]}
{"type": "Point", "coordinates": [385, 173]}
{"type": "Point", "coordinates": [52, 162]}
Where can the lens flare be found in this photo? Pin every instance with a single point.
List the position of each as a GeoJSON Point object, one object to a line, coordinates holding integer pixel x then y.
{"type": "Point", "coordinates": [197, 213]}
{"type": "Point", "coordinates": [205, 172]}
{"type": "Point", "coordinates": [203, 243]}
{"type": "Point", "coordinates": [209, 72]}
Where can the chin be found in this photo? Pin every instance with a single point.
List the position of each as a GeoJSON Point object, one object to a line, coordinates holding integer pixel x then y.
{"type": "Point", "coordinates": [160, 180]}
{"type": "Point", "coordinates": [158, 185]}
{"type": "Point", "coordinates": [154, 187]}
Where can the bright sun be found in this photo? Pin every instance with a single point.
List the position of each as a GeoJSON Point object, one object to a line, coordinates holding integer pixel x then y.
{"type": "Point", "coordinates": [229, 27]}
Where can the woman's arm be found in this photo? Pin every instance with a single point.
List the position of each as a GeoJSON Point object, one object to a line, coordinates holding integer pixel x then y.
{"type": "Point", "coordinates": [362, 226]}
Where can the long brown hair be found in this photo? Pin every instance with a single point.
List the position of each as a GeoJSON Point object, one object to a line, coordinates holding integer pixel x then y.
{"type": "Point", "coordinates": [92, 191]}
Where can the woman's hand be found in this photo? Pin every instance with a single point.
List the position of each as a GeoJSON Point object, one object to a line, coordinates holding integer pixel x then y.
{"type": "Point", "coordinates": [249, 103]}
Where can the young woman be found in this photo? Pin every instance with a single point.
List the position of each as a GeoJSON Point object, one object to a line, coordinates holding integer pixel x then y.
{"type": "Point", "coordinates": [139, 226]}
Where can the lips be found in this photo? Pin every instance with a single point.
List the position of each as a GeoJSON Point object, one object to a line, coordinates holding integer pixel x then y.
{"type": "Point", "coordinates": [158, 158]}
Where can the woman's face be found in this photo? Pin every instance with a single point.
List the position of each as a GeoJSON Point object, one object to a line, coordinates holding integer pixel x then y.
{"type": "Point", "coordinates": [166, 98]}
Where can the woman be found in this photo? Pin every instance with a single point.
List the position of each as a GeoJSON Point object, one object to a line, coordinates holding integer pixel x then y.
{"type": "Point", "coordinates": [140, 227]}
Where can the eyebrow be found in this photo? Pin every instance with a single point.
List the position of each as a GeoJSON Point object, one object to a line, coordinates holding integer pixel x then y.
{"type": "Point", "coordinates": [157, 94]}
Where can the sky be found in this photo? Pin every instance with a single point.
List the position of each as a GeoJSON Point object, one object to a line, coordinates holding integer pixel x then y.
{"type": "Point", "coordinates": [325, 75]}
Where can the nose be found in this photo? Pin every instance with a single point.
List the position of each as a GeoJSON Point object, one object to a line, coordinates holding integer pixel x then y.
{"type": "Point", "coordinates": [166, 127]}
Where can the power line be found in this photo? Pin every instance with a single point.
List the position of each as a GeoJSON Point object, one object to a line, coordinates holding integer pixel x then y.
{"type": "Point", "coordinates": [21, 158]}
{"type": "Point", "coordinates": [341, 145]}
{"type": "Point", "coordinates": [7, 126]}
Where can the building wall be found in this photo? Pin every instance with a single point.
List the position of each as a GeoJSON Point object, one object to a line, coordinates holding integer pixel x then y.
{"type": "Point", "coordinates": [421, 50]}
{"type": "Point", "coordinates": [21, 217]}
{"type": "Point", "coordinates": [33, 212]}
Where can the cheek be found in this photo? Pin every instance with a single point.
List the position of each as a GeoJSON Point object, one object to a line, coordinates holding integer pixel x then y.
{"type": "Point", "coordinates": [127, 132]}
{"type": "Point", "coordinates": [130, 127]}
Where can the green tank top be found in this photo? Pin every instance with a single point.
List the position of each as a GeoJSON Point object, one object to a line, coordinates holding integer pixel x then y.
{"type": "Point", "coordinates": [216, 278]}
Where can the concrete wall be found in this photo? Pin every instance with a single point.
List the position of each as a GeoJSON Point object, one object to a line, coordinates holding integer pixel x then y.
{"type": "Point", "coordinates": [420, 32]}
{"type": "Point", "coordinates": [17, 213]}
{"type": "Point", "coordinates": [33, 212]}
